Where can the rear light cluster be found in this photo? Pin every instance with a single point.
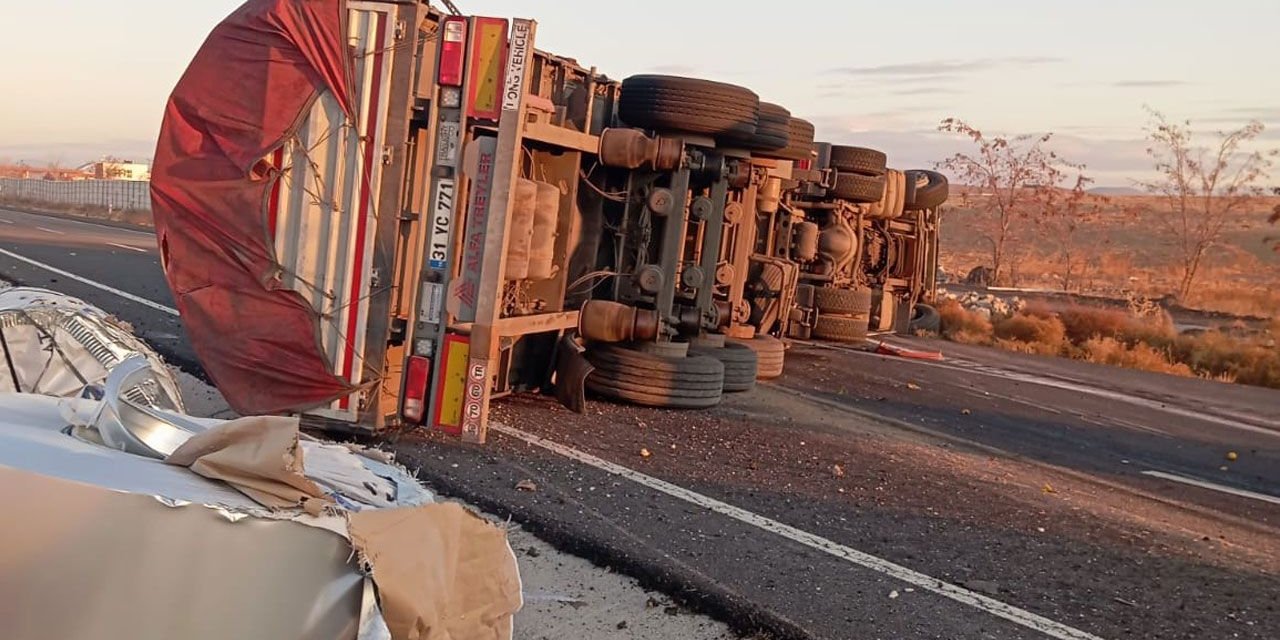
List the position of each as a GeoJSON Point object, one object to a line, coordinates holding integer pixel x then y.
{"type": "Point", "coordinates": [453, 51]}
{"type": "Point", "coordinates": [417, 375]}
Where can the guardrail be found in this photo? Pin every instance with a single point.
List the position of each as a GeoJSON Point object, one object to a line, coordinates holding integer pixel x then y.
{"type": "Point", "coordinates": [108, 195]}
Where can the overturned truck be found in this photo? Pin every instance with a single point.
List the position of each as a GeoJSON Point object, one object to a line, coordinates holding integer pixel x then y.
{"type": "Point", "coordinates": [376, 214]}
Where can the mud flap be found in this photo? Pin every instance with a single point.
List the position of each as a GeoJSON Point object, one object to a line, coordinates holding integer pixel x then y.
{"type": "Point", "coordinates": [572, 369]}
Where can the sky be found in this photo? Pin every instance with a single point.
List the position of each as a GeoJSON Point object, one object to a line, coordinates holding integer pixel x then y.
{"type": "Point", "coordinates": [85, 78]}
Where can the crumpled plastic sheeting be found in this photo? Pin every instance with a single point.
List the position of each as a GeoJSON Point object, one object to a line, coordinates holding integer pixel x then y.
{"type": "Point", "coordinates": [239, 100]}
{"type": "Point", "coordinates": [57, 345]}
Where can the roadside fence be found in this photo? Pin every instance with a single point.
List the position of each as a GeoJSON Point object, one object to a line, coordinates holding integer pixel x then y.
{"type": "Point", "coordinates": [111, 195]}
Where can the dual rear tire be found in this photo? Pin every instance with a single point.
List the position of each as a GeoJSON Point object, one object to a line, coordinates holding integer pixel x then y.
{"type": "Point", "coordinates": [844, 315]}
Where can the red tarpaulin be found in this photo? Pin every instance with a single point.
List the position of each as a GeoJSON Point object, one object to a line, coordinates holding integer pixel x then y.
{"type": "Point", "coordinates": [239, 100]}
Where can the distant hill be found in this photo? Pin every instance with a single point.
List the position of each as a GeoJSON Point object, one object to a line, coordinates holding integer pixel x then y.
{"type": "Point", "coordinates": [1116, 191]}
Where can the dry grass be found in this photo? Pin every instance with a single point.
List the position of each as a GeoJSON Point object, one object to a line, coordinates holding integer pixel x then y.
{"type": "Point", "coordinates": [1043, 335]}
{"type": "Point", "coordinates": [1236, 299]}
{"type": "Point", "coordinates": [964, 326]}
{"type": "Point", "coordinates": [1124, 251]}
{"type": "Point", "coordinates": [1136, 356]}
{"type": "Point", "coordinates": [1223, 357]}
{"type": "Point", "coordinates": [1148, 342]}
{"type": "Point", "coordinates": [134, 217]}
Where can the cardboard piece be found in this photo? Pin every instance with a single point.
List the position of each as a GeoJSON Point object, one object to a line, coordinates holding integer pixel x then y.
{"type": "Point", "coordinates": [466, 586]}
{"type": "Point", "coordinates": [259, 456]}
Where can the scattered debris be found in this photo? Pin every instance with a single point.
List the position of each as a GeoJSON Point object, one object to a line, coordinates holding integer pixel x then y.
{"type": "Point", "coordinates": [1048, 488]}
{"type": "Point", "coordinates": [526, 485]}
{"type": "Point", "coordinates": [837, 471]}
{"type": "Point", "coordinates": [1126, 603]}
{"type": "Point", "coordinates": [622, 625]}
{"type": "Point", "coordinates": [965, 412]}
{"type": "Point", "coordinates": [893, 595]}
{"type": "Point", "coordinates": [672, 611]}
{"type": "Point", "coordinates": [913, 386]}
{"type": "Point", "coordinates": [644, 453]}
{"type": "Point", "coordinates": [1232, 456]}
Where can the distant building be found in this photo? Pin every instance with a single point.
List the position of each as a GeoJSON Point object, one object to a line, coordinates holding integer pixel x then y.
{"type": "Point", "coordinates": [66, 174]}
{"type": "Point", "coordinates": [118, 170]}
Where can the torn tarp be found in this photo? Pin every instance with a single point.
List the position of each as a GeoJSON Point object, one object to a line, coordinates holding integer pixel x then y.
{"type": "Point", "coordinates": [240, 99]}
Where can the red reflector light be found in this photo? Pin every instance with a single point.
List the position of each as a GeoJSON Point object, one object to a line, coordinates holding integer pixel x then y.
{"type": "Point", "coordinates": [417, 376]}
{"type": "Point", "coordinates": [453, 51]}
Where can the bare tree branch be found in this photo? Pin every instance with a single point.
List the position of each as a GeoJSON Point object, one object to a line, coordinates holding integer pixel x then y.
{"type": "Point", "coordinates": [1201, 186]}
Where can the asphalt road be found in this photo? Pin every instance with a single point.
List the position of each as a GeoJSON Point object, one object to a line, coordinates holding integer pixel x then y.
{"type": "Point", "coordinates": [991, 495]}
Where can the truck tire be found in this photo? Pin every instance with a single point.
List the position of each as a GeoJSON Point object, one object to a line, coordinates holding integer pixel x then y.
{"type": "Point", "coordinates": [694, 382]}
{"type": "Point", "coordinates": [771, 355]}
{"type": "Point", "coordinates": [842, 301]}
{"type": "Point", "coordinates": [740, 365]}
{"type": "Point", "coordinates": [925, 190]}
{"type": "Point", "coordinates": [678, 104]}
{"type": "Point", "coordinates": [847, 329]}
{"type": "Point", "coordinates": [925, 318]}
{"type": "Point", "coordinates": [773, 130]}
{"type": "Point", "coordinates": [855, 187]}
{"type": "Point", "coordinates": [859, 160]}
{"type": "Point", "coordinates": [800, 142]}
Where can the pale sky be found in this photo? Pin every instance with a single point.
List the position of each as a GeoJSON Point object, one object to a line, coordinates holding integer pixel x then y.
{"type": "Point", "coordinates": [87, 78]}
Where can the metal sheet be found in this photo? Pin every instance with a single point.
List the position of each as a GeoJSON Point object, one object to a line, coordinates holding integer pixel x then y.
{"type": "Point", "coordinates": [83, 562]}
{"type": "Point", "coordinates": [62, 346]}
{"type": "Point", "coordinates": [325, 208]}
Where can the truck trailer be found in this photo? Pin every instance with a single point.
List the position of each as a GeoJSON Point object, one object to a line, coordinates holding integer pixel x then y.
{"type": "Point", "coordinates": [378, 214]}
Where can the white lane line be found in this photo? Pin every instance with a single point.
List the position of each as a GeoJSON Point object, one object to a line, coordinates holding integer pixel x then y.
{"type": "Point", "coordinates": [97, 285]}
{"type": "Point", "coordinates": [959, 594]}
{"type": "Point", "coordinates": [1204, 484]}
{"type": "Point", "coordinates": [125, 246]}
{"type": "Point", "coordinates": [53, 231]}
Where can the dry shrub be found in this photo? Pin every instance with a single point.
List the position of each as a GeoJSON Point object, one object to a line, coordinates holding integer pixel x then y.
{"type": "Point", "coordinates": [1042, 335]}
{"type": "Point", "coordinates": [1220, 356]}
{"type": "Point", "coordinates": [963, 326]}
{"type": "Point", "coordinates": [1118, 354]}
{"type": "Point", "coordinates": [1082, 323]}
{"type": "Point", "coordinates": [1149, 342]}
